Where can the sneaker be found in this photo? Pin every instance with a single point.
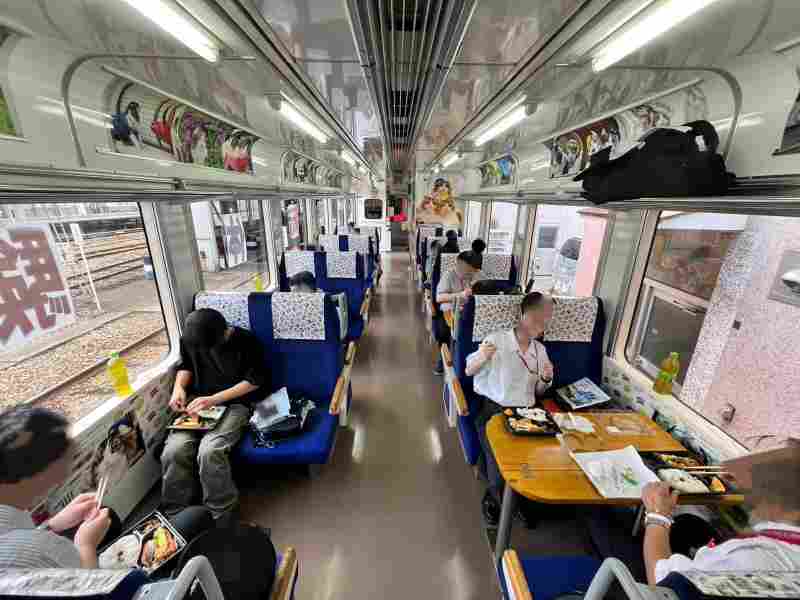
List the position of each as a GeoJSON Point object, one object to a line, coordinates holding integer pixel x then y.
{"type": "Point", "coordinates": [491, 510]}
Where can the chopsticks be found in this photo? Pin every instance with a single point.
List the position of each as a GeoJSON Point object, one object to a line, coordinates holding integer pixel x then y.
{"type": "Point", "coordinates": [101, 491]}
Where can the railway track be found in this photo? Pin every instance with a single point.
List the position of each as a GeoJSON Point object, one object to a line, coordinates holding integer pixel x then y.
{"type": "Point", "coordinates": [115, 269]}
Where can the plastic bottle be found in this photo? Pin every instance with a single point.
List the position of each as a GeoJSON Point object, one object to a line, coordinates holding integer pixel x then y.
{"type": "Point", "coordinates": [259, 283]}
{"type": "Point", "coordinates": [669, 371]}
{"type": "Point", "coordinates": [118, 373]}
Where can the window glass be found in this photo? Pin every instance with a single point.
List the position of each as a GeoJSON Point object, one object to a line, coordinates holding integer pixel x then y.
{"type": "Point", "coordinates": [501, 228]}
{"type": "Point", "coordinates": [373, 208]}
{"type": "Point", "coordinates": [322, 222]}
{"type": "Point", "coordinates": [474, 210]}
{"type": "Point", "coordinates": [231, 243]}
{"type": "Point", "coordinates": [76, 284]}
{"type": "Point", "coordinates": [292, 224]}
{"type": "Point", "coordinates": [567, 241]}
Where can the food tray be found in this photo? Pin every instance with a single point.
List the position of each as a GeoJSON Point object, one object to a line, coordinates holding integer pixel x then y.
{"type": "Point", "coordinates": [206, 420]}
{"type": "Point", "coordinates": [659, 461]}
{"type": "Point", "coordinates": [547, 425]}
{"type": "Point", "coordinates": [119, 554]}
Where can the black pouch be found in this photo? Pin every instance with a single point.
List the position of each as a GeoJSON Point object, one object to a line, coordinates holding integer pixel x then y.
{"type": "Point", "coordinates": [292, 425]}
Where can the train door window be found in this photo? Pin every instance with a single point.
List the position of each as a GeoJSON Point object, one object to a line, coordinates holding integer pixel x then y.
{"type": "Point", "coordinates": [373, 208]}
{"type": "Point", "coordinates": [568, 241]}
{"type": "Point", "coordinates": [293, 224]}
{"type": "Point", "coordinates": [322, 221]}
{"type": "Point", "coordinates": [76, 284]}
{"type": "Point", "coordinates": [232, 244]}
{"type": "Point", "coordinates": [685, 260]}
{"type": "Point", "coordinates": [502, 226]}
{"type": "Point", "coordinates": [474, 210]}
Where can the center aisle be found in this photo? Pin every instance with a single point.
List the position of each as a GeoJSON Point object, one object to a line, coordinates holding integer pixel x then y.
{"type": "Point", "coordinates": [396, 515]}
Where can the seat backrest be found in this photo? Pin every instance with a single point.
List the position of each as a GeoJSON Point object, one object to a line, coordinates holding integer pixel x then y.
{"type": "Point", "coordinates": [363, 245]}
{"type": "Point", "coordinates": [480, 316]}
{"type": "Point", "coordinates": [346, 273]}
{"type": "Point", "coordinates": [500, 267]}
{"type": "Point", "coordinates": [234, 306]}
{"type": "Point", "coordinates": [296, 261]}
{"type": "Point", "coordinates": [574, 339]}
{"type": "Point", "coordinates": [330, 243]}
{"type": "Point", "coordinates": [424, 231]}
{"type": "Point", "coordinates": [298, 330]}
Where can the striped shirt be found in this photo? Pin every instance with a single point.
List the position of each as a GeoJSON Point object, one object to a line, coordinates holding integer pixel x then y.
{"type": "Point", "coordinates": [22, 546]}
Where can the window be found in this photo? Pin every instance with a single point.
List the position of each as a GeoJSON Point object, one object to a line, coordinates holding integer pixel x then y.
{"type": "Point", "coordinates": [76, 283]}
{"type": "Point", "coordinates": [502, 227]}
{"type": "Point", "coordinates": [474, 210]}
{"type": "Point", "coordinates": [231, 243]}
{"type": "Point", "coordinates": [568, 241]}
{"type": "Point", "coordinates": [373, 208]}
{"type": "Point", "coordinates": [685, 260]}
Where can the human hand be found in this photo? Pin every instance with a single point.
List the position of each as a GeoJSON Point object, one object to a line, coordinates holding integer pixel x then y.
{"type": "Point", "coordinates": [467, 293]}
{"type": "Point", "coordinates": [201, 403]}
{"type": "Point", "coordinates": [547, 371]}
{"type": "Point", "coordinates": [178, 400]}
{"type": "Point", "coordinates": [488, 350]}
{"type": "Point", "coordinates": [658, 497]}
{"type": "Point", "coordinates": [93, 530]}
{"type": "Point", "coordinates": [74, 513]}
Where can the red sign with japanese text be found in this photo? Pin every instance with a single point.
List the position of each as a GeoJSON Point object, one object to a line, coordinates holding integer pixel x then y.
{"type": "Point", "coordinates": [34, 295]}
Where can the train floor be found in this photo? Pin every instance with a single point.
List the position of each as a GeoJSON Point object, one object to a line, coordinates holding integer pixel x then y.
{"type": "Point", "coordinates": [396, 514]}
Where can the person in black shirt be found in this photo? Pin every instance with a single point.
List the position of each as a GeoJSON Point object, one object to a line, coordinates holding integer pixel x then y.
{"type": "Point", "coordinates": [220, 366]}
{"type": "Point", "coordinates": [479, 247]}
{"type": "Point", "coordinates": [451, 245]}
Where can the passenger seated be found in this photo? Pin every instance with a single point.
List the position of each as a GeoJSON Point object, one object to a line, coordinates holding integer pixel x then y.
{"type": "Point", "coordinates": [304, 282]}
{"type": "Point", "coordinates": [774, 544]}
{"type": "Point", "coordinates": [434, 251]}
{"type": "Point", "coordinates": [451, 245]}
{"type": "Point", "coordinates": [510, 369]}
{"type": "Point", "coordinates": [220, 366]}
{"type": "Point", "coordinates": [479, 247]}
{"type": "Point", "coordinates": [455, 285]}
{"type": "Point", "coordinates": [35, 456]}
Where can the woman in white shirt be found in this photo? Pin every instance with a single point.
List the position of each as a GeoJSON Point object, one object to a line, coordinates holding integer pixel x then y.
{"type": "Point", "coordinates": [510, 369]}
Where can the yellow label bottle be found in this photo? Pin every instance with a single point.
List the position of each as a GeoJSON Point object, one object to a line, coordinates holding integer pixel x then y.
{"type": "Point", "coordinates": [259, 283]}
{"type": "Point", "coordinates": [670, 367]}
{"type": "Point", "coordinates": [118, 373]}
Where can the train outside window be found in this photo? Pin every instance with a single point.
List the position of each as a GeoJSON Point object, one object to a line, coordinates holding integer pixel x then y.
{"type": "Point", "coordinates": [77, 284]}
{"type": "Point", "coordinates": [232, 244]}
{"type": "Point", "coordinates": [567, 245]}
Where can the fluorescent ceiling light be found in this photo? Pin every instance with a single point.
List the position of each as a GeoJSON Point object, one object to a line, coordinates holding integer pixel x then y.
{"type": "Point", "coordinates": [658, 20]}
{"type": "Point", "coordinates": [502, 125]}
{"type": "Point", "coordinates": [170, 19]}
{"type": "Point", "coordinates": [450, 159]}
{"type": "Point", "coordinates": [348, 159]}
{"type": "Point", "coordinates": [291, 113]}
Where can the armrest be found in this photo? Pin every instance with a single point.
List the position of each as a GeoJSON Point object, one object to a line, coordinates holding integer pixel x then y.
{"type": "Point", "coordinates": [284, 576]}
{"type": "Point", "coordinates": [351, 353]}
{"type": "Point", "coordinates": [365, 305]}
{"type": "Point", "coordinates": [453, 383]}
{"type": "Point", "coordinates": [515, 576]}
{"type": "Point", "coordinates": [340, 391]}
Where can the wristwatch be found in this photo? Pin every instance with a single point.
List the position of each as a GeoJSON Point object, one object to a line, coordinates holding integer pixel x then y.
{"type": "Point", "coordinates": [653, 518]}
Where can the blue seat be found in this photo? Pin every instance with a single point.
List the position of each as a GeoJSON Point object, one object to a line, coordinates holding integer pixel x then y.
{"type": "Point", "coordinates": [296, 261]}
{"type": "Point", "coordinates": [363, 245]}
{"type": "Point", "coordinates": [574, 342]}
{"type": "Point", "coordinates": [424, 231]}
{"type": "Point", "coordinates": [345, 272]}
{"type": "Point", "coordinates": [296, 330]}
{"type": "Point", "coordinates": [546, 577]}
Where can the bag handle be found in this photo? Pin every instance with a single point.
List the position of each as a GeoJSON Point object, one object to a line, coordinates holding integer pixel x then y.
{"type": "Point", "coordinates": [705, 130]}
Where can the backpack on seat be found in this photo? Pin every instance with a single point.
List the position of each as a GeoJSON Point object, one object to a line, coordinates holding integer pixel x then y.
{"type": "Point", "coordinates": [666, 163]}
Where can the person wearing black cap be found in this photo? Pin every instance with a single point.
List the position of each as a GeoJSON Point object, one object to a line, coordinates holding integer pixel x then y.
{"type": "Point", "coordinates": [451, 245]}
{"type": "Point", "coordinates": [36, 455]}
{"type": "Point", "coordinates": [479, 247]}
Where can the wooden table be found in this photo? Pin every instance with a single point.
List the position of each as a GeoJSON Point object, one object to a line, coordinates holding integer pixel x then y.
{"type": "Point", "coordinates": [541, 468]}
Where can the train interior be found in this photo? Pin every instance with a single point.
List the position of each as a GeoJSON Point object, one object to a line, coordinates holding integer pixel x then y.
{"type": "Point", "coordinates": [162, 156]}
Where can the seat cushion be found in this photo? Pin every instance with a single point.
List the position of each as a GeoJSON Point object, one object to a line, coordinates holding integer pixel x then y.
{"type": "Point", "coordinates": [469, 439]}
{"type": "Point", "coordinates": [551, 576]}
{"type": "Point", "coordinates": [313, 447]}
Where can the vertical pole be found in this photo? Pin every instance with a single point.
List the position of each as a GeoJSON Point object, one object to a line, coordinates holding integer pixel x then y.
{"type": "Point", "coordinates": [78, 236]}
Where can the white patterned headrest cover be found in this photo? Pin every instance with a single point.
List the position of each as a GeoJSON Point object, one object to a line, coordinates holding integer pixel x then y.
{"type": "Point", "coordinates": [341, 265]}
{"type": "Point", "coordinates": [298, 261]}
{"type": "Point", "coordinates": [448, 263]}
{"type": "Point", "coordinates": [497, 266]}
{"type": "Point", "coordinates": [429, 242]}
{"type": "Point", "coordinates": [464, 244]}
{"type": "Point", "coordinates": [329, 243]}
{"type": "Point", "coordinates": [234, 306]}
{"type": "Point", "coordinates": [573, 320]}
{"type": "Point", "coordinates": [495, 313]}
{"type": "Point", "coordinates": [298, 316]}
{"type": "Point", "coordinates": [358, 243]}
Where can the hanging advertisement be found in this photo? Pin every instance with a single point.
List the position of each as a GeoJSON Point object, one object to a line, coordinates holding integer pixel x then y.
{"type": "Point", "coordinates": [234, 238]}
{"type": "Point", "coordinates": [439, 206]}
{"type": "Point", "coordinates": [293, 232]}
{"type": "Point", "coordinates": [34, 295]}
